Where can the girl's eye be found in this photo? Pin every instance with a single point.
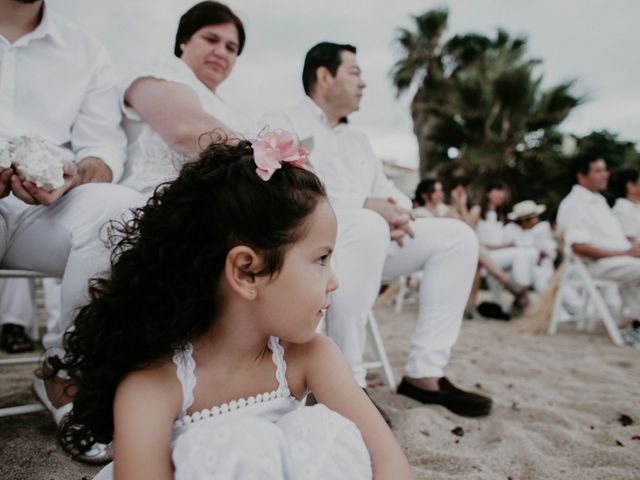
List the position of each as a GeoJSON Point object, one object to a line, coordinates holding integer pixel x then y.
{"type": "Point", "coordinates": [323, 260]}
{"type": "Point", "coordinates": [231, 49]}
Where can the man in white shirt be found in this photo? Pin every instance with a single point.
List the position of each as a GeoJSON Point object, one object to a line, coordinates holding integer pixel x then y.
{"type": "Point", "coordinates": [57, 82]}
{"type": "Point", "coordinates": [593, 231]}
{"type": "Point", "coordinates": [625, 186]}
{"type": "Point", "coordinates": [445, 250]}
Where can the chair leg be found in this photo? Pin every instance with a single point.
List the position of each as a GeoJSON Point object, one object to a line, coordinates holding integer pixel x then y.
{"type": "Point", "coordinates": [402, 292]}
{"type": "Point", "coordinates": [381, 353]}
{"type": "Point", "coordinates": [557, 304]}
{"type": "Point", "coordinates": [607, 319]}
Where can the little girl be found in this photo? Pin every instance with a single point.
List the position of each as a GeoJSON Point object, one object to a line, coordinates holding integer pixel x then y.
{"type": "Point", "coordinates": [197, 352]}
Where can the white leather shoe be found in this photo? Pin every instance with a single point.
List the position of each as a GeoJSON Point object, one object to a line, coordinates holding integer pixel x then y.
{"type": "Point", "coordinates": [40, 393]}
{"type": "Point", "coordinates": [98, 454]}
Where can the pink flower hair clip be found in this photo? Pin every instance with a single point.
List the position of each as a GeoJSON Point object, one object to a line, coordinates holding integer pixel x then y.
{"type": "Point", "coordinates": [275, 148]}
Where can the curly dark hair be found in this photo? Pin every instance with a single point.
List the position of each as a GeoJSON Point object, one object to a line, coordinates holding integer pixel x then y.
{"type": "Point", "coordinates": [166, 265]}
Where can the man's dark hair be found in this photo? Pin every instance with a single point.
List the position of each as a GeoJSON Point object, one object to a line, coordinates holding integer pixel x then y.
{"type": "Point", "coordinates": [620, 178]}
{"type": "Point", "coordinates": [204, 14]}
{"type": "Point", "coordinates": [324, 54]}
{"type": "Point", "coordinates": [581, 163]}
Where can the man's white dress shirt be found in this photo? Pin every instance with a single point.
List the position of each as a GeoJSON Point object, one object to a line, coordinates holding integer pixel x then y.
{"type": "Point", "coordinates": [587, 218]}
{"type": "Point", "coordinates": [35, 100]}
{"type": "Point", "coordinates": [341, 156]}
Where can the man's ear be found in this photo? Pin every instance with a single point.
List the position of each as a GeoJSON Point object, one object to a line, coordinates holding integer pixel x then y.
{"type": "Point", "coordinates": [240, 271]}
{"type": "Point", "coordinates": [324, 79]}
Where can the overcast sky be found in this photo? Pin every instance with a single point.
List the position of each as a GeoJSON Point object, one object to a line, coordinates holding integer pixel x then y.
{"type": "Point", "coordinates": [593, 41]}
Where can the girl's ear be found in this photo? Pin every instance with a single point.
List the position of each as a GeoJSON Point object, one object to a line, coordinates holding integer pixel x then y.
{"type": "Point", "coordinates": [240, 270]}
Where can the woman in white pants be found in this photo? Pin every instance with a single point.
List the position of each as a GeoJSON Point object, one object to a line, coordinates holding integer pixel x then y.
{"type": "Point", "coordinates": [490, 230]}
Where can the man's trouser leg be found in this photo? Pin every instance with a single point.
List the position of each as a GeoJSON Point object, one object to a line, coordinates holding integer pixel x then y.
{"type": "Point", "coordinates": [625, 271]}
{"type": "Point", "coordinates": [16, 302]}
{"type": "Point", "coordinates": [361, 248]}
{"type": "Point", "coordinates": [446, 251]}
{"type": "Point", "coordinates": [521, 260]}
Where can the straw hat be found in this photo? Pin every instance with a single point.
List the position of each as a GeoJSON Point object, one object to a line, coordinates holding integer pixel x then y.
{"type": "Point", "coordinates": [527, 208]}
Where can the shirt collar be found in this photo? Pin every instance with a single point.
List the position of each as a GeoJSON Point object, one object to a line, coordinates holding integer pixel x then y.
{"type": "Point", "coordinates": [586, 194]}
{"type": "Point", "coordinates": [46, 27]}
{"type": "Point", "coordinates": [319, 113]}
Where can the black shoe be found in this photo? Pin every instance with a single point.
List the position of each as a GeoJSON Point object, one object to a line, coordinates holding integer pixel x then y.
{"type": "Point", "coordinates": [463, 403]}
{"type": "Point", "coordinates": [493, 310]}
{"type": "Point", "coordinates": [385, 417]}
{"type": "Point", "coordinates": [14, 339]}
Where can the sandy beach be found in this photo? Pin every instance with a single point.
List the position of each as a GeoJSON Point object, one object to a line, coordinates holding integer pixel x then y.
{"type": "Point", "coordinates": [559, 407]}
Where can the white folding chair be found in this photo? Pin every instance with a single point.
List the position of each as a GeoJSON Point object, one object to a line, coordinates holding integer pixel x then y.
{"type": "Point", "coordinates": [382, 361]}
{"type": "Point", "coordinates": [35, 407]}
{"type": "Point", "coordinates": [380, 352]}
{"type": "Point", "coordinates": [576, 275]}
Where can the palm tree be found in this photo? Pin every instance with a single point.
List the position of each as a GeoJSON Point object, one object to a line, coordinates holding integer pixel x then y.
{"type": "Point", "coordinates": [479, 106]}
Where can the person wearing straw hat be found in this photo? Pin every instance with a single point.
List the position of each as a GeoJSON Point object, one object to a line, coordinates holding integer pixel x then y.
{"type": "Point", "coordinates": [527, 231]}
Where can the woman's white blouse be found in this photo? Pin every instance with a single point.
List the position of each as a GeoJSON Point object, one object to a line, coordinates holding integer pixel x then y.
{"type": "Point", "coordinates": [150, 161]}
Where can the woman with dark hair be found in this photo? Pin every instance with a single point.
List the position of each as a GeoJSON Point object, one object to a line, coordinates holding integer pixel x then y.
{"type": "Point", "coordinates": [428, 200]}
{"type": "Point", "coordinates": [169, 105]}
{"type": "Point", "coordinates": [625, 185]}
{"type": "Point", "coordinates": [196, 354]}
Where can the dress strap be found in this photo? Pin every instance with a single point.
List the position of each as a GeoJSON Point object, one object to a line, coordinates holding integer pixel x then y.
{"type": "Point", "coordinates": [185, 371]}
{"type": "Point", "coordinates": [277, 355]}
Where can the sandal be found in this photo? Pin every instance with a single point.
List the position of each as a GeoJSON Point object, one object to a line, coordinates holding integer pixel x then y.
{"type": "Point", "coordinates": [14, 339]}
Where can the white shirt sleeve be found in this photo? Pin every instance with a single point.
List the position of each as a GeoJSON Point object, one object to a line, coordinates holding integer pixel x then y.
{"type": "Point", "coordinates": [574, 224]}
{"type": "Point", "coordinates": [96, 131]}
{"type": "Point", "coordinates": [383, 187]}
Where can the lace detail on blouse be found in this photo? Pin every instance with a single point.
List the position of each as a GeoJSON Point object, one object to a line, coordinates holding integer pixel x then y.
{"type": "Point", "coordinates": [185, 371]}
{"type": "Point", "coordinates": [185, 368]}
{"type": "Point", "coordinates": [277, 355]}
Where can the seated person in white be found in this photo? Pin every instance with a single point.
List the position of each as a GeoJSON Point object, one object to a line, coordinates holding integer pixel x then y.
{"type": "Point", "coordinates": [204, 370]}
{"type": "Point", "coordinates": [445, 250]}
{"type": "Point", "coordinates": [58, 83]}
{"type": "Point", "coordinates": [490, 229]}
{"type": "Point", "coordinates": [171, 107]}
{"type": "Point", "coordinates": [593, 231]}
{"type": "Point", "coordinates": [526, 230]}
{"type": "Point", "coordinates": [429, 202]}
{"type": "Point", "coordinates": [625, 186]}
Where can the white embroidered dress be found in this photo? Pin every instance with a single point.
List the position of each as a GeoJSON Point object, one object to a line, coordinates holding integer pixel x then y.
{"type": "Point", "coordinates": [269, 436]}
{"type": "Point", "coordinates": [150, 161]}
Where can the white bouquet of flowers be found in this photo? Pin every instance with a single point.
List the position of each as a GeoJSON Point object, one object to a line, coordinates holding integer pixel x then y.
{"type": "Point", "coordinates": [33, 162]}
{"type": "Point", "coordinates": [6, 153]}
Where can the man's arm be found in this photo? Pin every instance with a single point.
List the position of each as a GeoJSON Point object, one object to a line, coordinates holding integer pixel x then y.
{"type": "Point", "coordinates": [97, 139]}
{"type": "Point", "coordinates": [397, 217]}
{"type": "Point", "coordinates": [595, 253]}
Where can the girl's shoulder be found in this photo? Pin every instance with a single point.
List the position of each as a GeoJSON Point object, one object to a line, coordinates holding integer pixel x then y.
{"type": "Point", "coordinates": [156, 383]}
{"type": "Point", "coordinates": [301, 358]}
